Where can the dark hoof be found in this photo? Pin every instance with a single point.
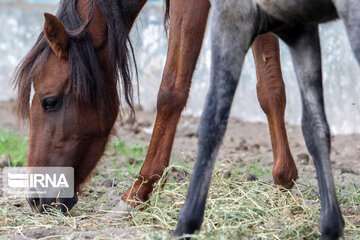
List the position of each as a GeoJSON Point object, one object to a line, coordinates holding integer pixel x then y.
{"type": "Point", "coordinates": [186, 227]}
{"type": "Point", "coordinates": [332, 227]}
{"type": "Point", "coordinates": [179, 236]}
{"type": "Point", "coordinates": [330, 233]}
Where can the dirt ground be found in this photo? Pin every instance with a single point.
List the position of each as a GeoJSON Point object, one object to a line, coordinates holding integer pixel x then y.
{"type": "Point", "coordinates": [249, 143]}
{"type": "Point", "coordinates": [245, 143]}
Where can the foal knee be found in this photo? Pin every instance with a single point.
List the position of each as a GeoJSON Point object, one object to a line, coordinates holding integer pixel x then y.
{"type": "Point", "coordinates": [171, 100]}
{"type": "Point", "coordinates": [271, 96]}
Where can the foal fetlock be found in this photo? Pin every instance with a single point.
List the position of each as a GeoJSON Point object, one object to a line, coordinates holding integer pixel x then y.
{"type": "Point", "coordinates": [140, 192]}
{"type": "Point", "coordinates": [285, 172]}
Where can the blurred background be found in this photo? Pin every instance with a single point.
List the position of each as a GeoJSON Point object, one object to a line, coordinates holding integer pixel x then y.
{"type": "Point", "coordinates": [22, 20]}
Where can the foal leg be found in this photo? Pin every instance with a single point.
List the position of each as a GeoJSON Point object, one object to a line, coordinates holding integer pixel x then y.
{"type": "Point", "coordinates": [229, 47]}
{"type": "Point", "coordinates": [306, 55]}
{"type": "Point", "coordinates": [272, 99]}
{"type": "Point", "coordinates": [187, 27]}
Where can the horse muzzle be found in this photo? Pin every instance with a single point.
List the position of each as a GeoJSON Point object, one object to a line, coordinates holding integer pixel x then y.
{"type": "Point", "coordinates": [44, 205]}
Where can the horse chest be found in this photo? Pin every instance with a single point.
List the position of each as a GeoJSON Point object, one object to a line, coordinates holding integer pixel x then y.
{"type": "Point", "coordinates": [300, 11]}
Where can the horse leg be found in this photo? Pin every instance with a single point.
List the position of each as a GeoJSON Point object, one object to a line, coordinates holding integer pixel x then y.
{"type": "Point", "coordinates": [306, 55]}
{"type": "Point", "coordinates": [271, 95]}
{"type": "Point", "coordinates": [231, 38]}
{"type": "Point", "coordinates": [187, 27]}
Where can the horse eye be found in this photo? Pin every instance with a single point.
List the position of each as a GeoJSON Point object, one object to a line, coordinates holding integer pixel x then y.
{"type": "Point", "coordinates": [51, 103]}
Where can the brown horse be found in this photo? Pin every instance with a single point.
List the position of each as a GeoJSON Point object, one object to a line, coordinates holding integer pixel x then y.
{"type": "Point", "coordinates": [76, 66]}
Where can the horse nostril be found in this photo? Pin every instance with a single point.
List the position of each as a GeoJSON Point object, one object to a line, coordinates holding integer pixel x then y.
{"type": "Point", "coordinates": [42, 205]}
{"type": "Point", "coordinates": [34, 203]}
{"type": "Point", "coordinates": [38, 205]}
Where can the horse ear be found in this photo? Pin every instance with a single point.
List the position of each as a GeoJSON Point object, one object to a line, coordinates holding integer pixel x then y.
{"type": "Point", "coordinates": [56, 35]}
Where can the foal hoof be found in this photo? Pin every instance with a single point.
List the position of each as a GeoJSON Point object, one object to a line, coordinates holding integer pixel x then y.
{"type": "Point", "coordinates": [333, 227]}
{"type": "Point", "coordinates": [122, 209]}
{"type": "Point", "coordinates": [285, 177]}
{"type": "Point", "coordinates": [188, 223]}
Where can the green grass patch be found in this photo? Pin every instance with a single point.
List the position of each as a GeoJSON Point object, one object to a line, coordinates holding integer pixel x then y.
{"type": "Point", "coordinates": [134, 155]}
{"type": "Point", "coordinates": [258, 170]}
{"type": "Point", "coordinates": [134, 151]}
{"type": "Point", "coordinates": [15, 146]}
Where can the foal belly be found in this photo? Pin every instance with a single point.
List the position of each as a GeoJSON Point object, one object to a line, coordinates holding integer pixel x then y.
{"type": "Point", "coordinates": [300, 11]}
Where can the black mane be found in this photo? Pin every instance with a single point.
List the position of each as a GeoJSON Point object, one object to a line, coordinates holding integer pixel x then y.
{"type": "Point", "coordinates": [86, 80]}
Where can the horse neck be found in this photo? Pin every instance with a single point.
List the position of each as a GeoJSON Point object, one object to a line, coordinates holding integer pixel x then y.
{"type": "Point", "coordinates": [132, 9]}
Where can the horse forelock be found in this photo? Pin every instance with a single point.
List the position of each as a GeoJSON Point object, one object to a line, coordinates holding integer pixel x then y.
{"type": "Point", "coordinates": [86, 78]}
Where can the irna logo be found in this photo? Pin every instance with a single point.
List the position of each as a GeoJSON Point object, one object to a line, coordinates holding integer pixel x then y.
{"type": "Point", "coordinates": [38, 182]}
{"type": "Point", "coordinates": [35, 180]}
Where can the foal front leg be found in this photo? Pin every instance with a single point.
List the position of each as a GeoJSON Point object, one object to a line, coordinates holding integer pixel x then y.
{"type": "Point", "coordinates": [272, 98]}
{"type": "Point", "coordinates": [231, 38]}
{"type": "Point", "coordinates": [187, 27]}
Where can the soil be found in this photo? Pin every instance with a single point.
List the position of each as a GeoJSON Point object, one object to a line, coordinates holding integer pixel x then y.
{"type": "Point", "coordinates": [245, 143]}
{"type": "Point", "coordinates": [249, 143]}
